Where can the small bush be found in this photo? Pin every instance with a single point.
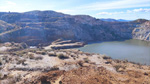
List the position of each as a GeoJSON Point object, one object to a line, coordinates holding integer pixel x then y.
{"type": "Point", "coordinates": [38, 58]}
{"type": "Point", "coordinates": [31, 56]}
{"type": "Point", "coordinates": [1, 62]}
{"type": "Point", "coordinates": [32, 50]}
{"type": "Point", "coordinates": [108, 62]}
{"type": "Point", "coordinates": [21, 61]}
{"type": "Point", "coordinates": [80, 63]}
{"type": "Point", "coordinates": [146, 73]}
{"type": "Point", "coordinates": [62, 56]}
{"type": "Point", "coordinates": [117, 67]}
{"type": "Point", "coordinates": [86, 60]}
{"type": "Point", "coordinates": [52, 54]}
{"type": "Point", "coordinates": [55, 68]}
{"type": "Point", "coordinates": [118, 61]}
{"type": "Point", "coordinates": [106, 57]}
{"type": "Point", "coordinates": [1, 75]}
{"type": "Point", "coordinates": [20, 53]}
{"type": "Point", "coordinates": [41, 52]}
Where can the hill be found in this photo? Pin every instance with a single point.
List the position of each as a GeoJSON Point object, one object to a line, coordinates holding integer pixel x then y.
{"type": "Point", "coordinates": [37, 27]}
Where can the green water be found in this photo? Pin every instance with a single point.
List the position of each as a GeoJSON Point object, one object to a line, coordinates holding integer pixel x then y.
{"type": "Point", "coordinates": [133, 50]}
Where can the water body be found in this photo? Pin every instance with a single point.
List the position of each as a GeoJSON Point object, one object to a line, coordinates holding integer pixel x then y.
{"type": "Point", "coordinates": [133, 50]}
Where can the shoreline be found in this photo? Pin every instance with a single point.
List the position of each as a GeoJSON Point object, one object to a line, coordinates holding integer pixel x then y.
{"type": "Point", "coordinates": [28, 66]}
{"type": "Point", "coordinates": [124, 58]}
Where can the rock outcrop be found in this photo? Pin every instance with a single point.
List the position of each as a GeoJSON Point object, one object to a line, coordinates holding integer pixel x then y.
{"type": "Point", "coordinates": [65, 44]}
{"type": "Point", "coordinates": [142, 32]}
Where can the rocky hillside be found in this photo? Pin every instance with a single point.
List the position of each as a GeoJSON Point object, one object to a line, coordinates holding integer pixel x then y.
{"type": "Point", "coordinates": [142, 32]}
{"type": "Point", "coordinates": [4, 26]}
{"type": "Point", "coordinates": [36, 27]}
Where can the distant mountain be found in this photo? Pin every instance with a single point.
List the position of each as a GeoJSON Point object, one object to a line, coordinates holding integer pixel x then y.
{"type": "Point", "coordinates": [37, 27]}
{"type": "Point", "coordinates": [122, 20]}
{"type": "Point", "coordinates": [114, 20]}
{"type": "Point", "coordinates": [109, 20]}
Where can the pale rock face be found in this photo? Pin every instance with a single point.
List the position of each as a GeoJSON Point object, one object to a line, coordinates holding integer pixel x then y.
{"type": "Point", "coordinates": [142, 32]}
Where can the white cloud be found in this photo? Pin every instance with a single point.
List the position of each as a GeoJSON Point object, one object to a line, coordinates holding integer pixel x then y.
{"type": "Point", "coordinates": [116, 4]}
{"type": "Point", "coordinates": [104, 5]}
{"type": "Point", "coordinates": [128, 11]}
{"type": "Point", "coordinates": [8, 6]}
{"type": "Point", "coordinates": [65, 11]}
{"type": "Point", "coordinates": [141, 10]}
{"type": "Point", "coordinates": [104, 13]}
{"type": "Point", "coordinates": [10, 3]}
{"type": "Point", "coordinates": [109, 13]}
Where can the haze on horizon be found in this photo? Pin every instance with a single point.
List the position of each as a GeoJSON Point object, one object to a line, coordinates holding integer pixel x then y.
{"type": "Point", "coordinates": [116, 9]}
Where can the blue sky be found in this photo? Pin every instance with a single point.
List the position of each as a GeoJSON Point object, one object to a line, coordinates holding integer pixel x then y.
{"type": "Point", "coordinates": [117, 9]}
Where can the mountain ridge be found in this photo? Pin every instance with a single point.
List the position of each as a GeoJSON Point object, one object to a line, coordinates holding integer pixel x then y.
{"type": "Point", "coordinates": [46, 26]}
{"type": "Point", "coordinates": [114, 20]}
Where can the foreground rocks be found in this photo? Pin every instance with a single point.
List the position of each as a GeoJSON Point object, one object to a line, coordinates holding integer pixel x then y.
{"type": "Point", "coordinates": [68, 66]}
{"type": "Point", "coordinates": [90, 75]}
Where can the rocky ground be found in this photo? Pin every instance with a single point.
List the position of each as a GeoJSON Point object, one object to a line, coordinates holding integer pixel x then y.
{"type": "Point", "coordinates": [22, 65]}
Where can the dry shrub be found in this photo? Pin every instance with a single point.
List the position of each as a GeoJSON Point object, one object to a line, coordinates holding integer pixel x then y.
{"type": "Point", "coordinates": [52, 54]}
{"type": "Point", "coordinates": [31, 56]}
{"type": "Point", "coordinates": [86, 60]}
{"type": "Point", "coordinates": [62, 56]}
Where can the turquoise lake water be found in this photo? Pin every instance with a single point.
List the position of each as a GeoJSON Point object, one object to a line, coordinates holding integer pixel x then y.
{"type": "Point", "coordinates": [133, 50]}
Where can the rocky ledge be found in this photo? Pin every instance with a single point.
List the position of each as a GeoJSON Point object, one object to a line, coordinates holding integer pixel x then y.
{"type": "Point", "coordinates": [66, 44]}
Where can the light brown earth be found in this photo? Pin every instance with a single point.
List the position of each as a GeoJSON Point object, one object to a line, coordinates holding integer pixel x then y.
{"type": "Point", "coordinates": [67, 66]}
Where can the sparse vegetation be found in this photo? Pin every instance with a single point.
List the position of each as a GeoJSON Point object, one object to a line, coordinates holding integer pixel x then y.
{"type": "Point", "coordinates": [80, 63]}
{"type": "Point", "coordinates": [1, 62]}
{"type": "Point", "coordinates": [52, 54]}
{"type": "Point", "coordinates": [31, 63]}
{"type": "Point", "coordinates": [146, 73]}
{"type": "Point", "coordinates": [38, 58]}
{"type": "Point", "coordinates": [106, 57]}
{"type": "Point", "coordinates": [108, 62]}
{"type": "Point", "coordinates": [20, 53]}
{"type": "Point", "coordinates": [21, 61]}
{"type": "Point", "coordinates": [62, 56]}
{"type": "Point", "coordinates": [86, 60]}
{"type": "Point", "coordinates": [41, 52]}
{"type": "Point", "coordinates": [117, 61]}
{"type": "Point", "coordinates": [31, 56]}
{"type": "Point", "coordinates": [118, 67]}
{"type": "Point", "coordinates": [55, 68]}
{"type": "Point", "coordinates": [1, 75]}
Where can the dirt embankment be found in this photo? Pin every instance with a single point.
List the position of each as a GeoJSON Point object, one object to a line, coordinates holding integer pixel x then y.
{"type": "Point", "coordinates": [91, 75]}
